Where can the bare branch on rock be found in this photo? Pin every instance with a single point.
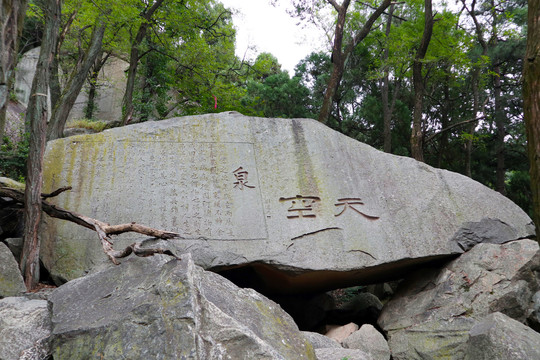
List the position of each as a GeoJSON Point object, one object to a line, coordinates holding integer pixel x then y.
{"type": "Point", "coordinates": [103, 230]}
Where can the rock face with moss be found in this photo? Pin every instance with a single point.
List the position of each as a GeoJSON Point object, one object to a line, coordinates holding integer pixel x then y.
{"type": "Point", "coordinates": [286, 197]}
{"type": "Point", "coordinates": [158, 308]}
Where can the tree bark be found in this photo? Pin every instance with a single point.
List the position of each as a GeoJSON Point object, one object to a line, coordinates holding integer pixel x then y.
{"type": "Point", "coordinates": [67, 100]}
{"type": "Point", "coordinates": [388, 108]}
{"type": "Point", "coordinates": [134, 57]}
{"type": "Point", "coordinates": [500, 126]}
{"type": "Point", "coordinates": [531, 104]}
{"type": "Point", "coordinates": [36, 115]}
{"type": "Point", "coordinates": [417, 135]}
{"type": "Point", "coordinates": [92, 92]}
{"type": "Point", "coordinates": [12, 14]}
{"type": "Point", "coordinates": [340, 55]}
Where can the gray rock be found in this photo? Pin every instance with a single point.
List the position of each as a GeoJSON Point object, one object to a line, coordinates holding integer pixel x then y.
{"type": "Point", "coordinates": [25, 326]}
{"type": "Point", "coordinates": [499, 337]}
{"type": "Point", "coordinates": [363, 308]}
{"type": "Point", "coordinates": [340, 354]}
{"type": "Point", "coordinates": [278, 195]}
{"type": "Point", "coordinates": [11, 280]}
{"type": "Point", "coordinates": [491, 231]}
{"type": "Point", "coordinates": [15, 245]}
{"type": "Point", "coordinates": [432, 339]}
{"type": "Point", "coordinates": [436, 308]}
{"type": "Point", "coordinates": [534, 318]}
{"type": "Point", "coordinates": [370, 341]}
{"type": "Point", "coordinates": [320, 341]}
{"type": "Point", "coordinates": [157, 308]}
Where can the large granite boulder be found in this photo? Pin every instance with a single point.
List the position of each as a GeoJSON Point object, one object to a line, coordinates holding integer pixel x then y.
{"type": "Point", "coordinates": [432, 313]}
{"type": "Point", "coordinates": [305, 207]}
{"type": "Point", "coordinates": [158, 308]}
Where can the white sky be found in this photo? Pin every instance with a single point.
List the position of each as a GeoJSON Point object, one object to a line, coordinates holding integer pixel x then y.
{"type": "Point", "coordinates": [271, 29]}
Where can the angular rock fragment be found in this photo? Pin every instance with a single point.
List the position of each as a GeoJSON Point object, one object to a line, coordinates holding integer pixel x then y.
{"type": "Point", "coordinates": [11, 280]}
{"type": "Point", "coordinates": [498, 337]}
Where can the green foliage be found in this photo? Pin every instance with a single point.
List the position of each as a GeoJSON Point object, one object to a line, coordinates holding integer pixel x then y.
{"type": "Point", "coordinates": [518, 184]}
{"type": "Point", "coordinates": [13, 158]}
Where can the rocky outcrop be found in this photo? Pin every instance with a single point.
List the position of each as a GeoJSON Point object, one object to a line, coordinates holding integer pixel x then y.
{"type": "Point", "coordinates": [272, 195]}
{"type": "Point", "coordinates": [158, 308]}
{"type": "Point", "coordinates": [433, 312]}
{"type": "Point", "coordinates": [25, 326]}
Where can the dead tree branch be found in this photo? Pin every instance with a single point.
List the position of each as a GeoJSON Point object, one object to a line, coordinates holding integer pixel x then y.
{"type": "Point", "coordinates": [103, 230]}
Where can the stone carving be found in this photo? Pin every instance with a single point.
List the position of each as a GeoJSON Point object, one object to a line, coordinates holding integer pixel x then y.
{"type": "Point", "coordinates": [241, 176]}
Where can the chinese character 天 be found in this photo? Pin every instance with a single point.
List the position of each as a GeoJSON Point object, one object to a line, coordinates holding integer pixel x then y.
{"type": "Point", "coordinates": [347, 203]}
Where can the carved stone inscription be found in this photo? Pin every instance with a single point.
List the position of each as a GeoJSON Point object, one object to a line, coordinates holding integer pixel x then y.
{"type": "Point", "coordinates": [303, 206]}
{"type": "Point", "coordinates": [184, 187]}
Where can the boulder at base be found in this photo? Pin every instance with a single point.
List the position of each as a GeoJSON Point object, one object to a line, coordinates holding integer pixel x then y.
{"type": "Point", "coordinates": [158, 308]}
{"type": "Point", "coordinates": [433, 311]}
{"type": "Point", "coordinates": [498, 337]}
{"type": "Point", "coordinates": [287, 197]}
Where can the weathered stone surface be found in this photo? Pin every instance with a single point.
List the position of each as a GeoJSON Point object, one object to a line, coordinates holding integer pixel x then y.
{"type": "Point", "coordinates": [320, 341]}
{"type": "Point", "coordinates": [370, 341]}
{"type": "Point", "coordinates": [340, 333]}
{"type": "Point", "coordinates": [11, 280]}
{"type": "Point", "coordinates": [361, 309]}
{"type": "Point", "coordinates": [434, 310]}
{"type": "Point", "coordinates": [15, 245]}
{"type": "Point", "coordinates": [157, 308]}
{"type": "Point", "coordinates": [433, 339]}
{"type": "Point", "coordinates": [24, 325]}
{"type": "Point", "coordinates": [491, 231]}
{"type": "Point", "coordinates": [340, 354]}
{"type": "Point", "coordinates": [534, 318]}
{"type": "Point", "coordinates": [288, 197]}
{"type": "Point", "coordinates": [498, 337]}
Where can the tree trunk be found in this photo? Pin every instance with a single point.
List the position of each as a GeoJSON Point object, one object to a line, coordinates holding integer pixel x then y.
{"type": "Point", "coordinates": [417, 146]}
{"type": "Point", "coordinates": [387, 112]}
{"type": "Point", "coordinates": [531, 104]}
{"type": "Point", "coordinates": [75, 84]}
{"type": "Point", "coordinates": [12, 14]}
{"type": "Point", "coordinates": [500, 127]}
{"type": "Point", "coordinates": [475, 80]}
{"type": "Point", "coordinates": [92, 92]}
{"type": "Point", "coordinates": [445, 119]}
{"type": "Point", "coordinates": [340, 56]}
{"type": "Point", "coordinates": [36, 115]}
{"type": "Point", "coordinates": [134, 57]}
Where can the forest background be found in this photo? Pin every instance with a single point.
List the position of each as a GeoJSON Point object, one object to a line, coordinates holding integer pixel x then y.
{"type": "Point", "coordinates": [441, 82]}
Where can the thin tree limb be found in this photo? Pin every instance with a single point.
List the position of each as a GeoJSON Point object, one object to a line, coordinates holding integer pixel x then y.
{"type": "Point", "coordinates": [103, 230]}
